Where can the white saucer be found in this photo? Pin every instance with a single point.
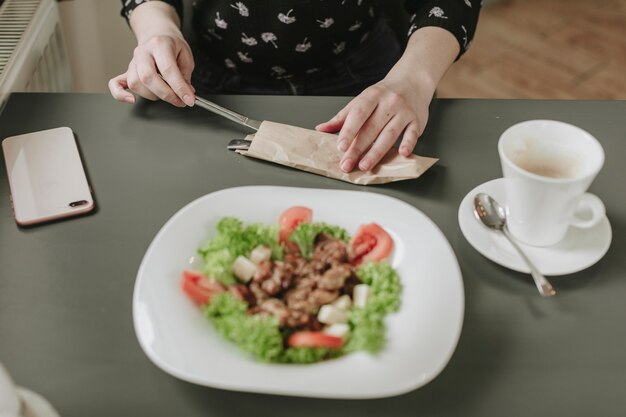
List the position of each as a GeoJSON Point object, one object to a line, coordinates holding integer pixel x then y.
{"type": "Point", "coordinates": [578, 250]}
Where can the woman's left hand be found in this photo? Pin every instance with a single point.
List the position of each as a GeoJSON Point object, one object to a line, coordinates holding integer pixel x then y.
{"type": "Point", "coordinates": [372, 122]}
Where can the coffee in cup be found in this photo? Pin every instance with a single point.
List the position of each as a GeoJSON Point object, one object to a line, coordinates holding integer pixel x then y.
{"type": "Point", "coordinates": [548, 166]}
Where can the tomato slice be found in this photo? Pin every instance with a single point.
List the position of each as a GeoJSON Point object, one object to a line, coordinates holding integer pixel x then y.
{"type": "Point", "coordinates": [314, 339]}
{"type": "Point", "coordinates": [370, 243]}
{"type": "Point", "coordinates": [291, 218]}
{"type": "Point", "coordinates": [200, 288]}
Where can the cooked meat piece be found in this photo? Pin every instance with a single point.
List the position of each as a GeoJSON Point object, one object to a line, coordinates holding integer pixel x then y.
{"type": "Point", "coordinates": [349, 285]}
{"type": "Point", "coordinates": [319, 297]}
{"type": "Point", "coordinates": [317, 266]}
{"type": "Point", "coordinates": [298, 299]}
{"type": "Point", "coordinates": [254, 310]}
{"type": "Point", "coordinates": [283, 273]}
{"type": "Point", "coordinates": [276, 308]}
{"type": "Point", "coordinates": [299, 266]}
{"type": "Point", "coordinates": [307, 282]}
{"type": "Point", "coordinates": [335, 277]}
{"type": "Point", "coordinates": [314, 324]}
{"type": "Point", "coordinates": [278, 279]}
{"type": "Point", "coordinates": [270, 286]}
{"type": "Point", "coordinates": [294, 290]}
{"type": "Point", "coordinates": [303, 321]}
{"type": "Point", "coordinates": [258, 293]}
{"type": "Point", "coordinates": [293, 259]}
{"type": "Point", "coordinates": [330, 251]}
{"type": "Point", "coordinates": [241, 292]}
{"type": "Point", "coordinates": [297, 318]}
{"type": "Point", "coordinates": [263, 272]}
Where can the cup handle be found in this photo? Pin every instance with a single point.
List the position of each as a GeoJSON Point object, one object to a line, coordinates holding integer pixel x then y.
{"type": "Point", "coordinates": [592, 208]}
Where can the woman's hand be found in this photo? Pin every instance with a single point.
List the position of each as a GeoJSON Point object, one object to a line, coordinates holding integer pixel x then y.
{"type": "Point", "coordinates": [372, 122]}
{"type": "Point", "coordinates": [162, 63]}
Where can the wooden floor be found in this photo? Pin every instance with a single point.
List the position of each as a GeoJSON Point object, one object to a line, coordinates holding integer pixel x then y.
{"type": "Point", "coordinates": [544, 49]}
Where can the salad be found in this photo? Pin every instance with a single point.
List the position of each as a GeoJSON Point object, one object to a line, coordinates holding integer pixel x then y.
{"type": "Point", "coordinates": [297, 291]}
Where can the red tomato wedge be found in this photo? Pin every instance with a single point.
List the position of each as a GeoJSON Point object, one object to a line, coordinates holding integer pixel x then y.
{"type": "Point", "coordinates": [314, 339]}
{"type": "Point", "coordinates": [200, 288]}
{"type": "Point", "coordinates": [370, 243]}
{"type": "Point", "coordinates": [291, 218]}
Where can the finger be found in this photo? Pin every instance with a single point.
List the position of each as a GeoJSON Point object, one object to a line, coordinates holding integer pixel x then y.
{"type": "Point", "coordinates": [150, 78]}
{"type": "Point", "coordinates": [186, 64]}
{"type": "Point", "coordinates": [367, 134]}
{"type": "Point", "coordinates": [357, 116]}
{"type": "Point", "coordinates": [118, 87]}
{"type": "Point", "coordinates": [135, 85]}
{"type": "Point", "coordinates": [383, 143]}
{"type": "Point", "coordinates": [409, 139]}
{"type": "Point", "coordinates": [334, 125]}
{"type": "Point", "coordinates": [167, 66]}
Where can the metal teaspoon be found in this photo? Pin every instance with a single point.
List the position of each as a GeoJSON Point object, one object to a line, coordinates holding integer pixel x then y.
{"type": "Point", "coordinates": [492, 215]}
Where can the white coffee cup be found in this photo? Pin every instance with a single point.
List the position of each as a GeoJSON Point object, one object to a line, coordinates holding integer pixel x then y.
{"type": "Point", "coordinates": [548, 166]}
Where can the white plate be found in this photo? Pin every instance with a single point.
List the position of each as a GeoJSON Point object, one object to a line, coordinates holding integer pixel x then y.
{"type": "Point", "coordinates": [578, 250]}
{"type": "Point", "coordinates": [421, 336]}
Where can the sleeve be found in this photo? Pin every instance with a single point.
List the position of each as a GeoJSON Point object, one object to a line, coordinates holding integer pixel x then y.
{"type": "Point", "coordinates": [459, 17]}
{"type": "Point", "coordinates": [129, 5]}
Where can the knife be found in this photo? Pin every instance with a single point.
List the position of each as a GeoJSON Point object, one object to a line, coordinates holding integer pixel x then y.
{"type": "Point", "coordinates": [239, 145]}
{"type": "Point", "coordinates": [229, 114]}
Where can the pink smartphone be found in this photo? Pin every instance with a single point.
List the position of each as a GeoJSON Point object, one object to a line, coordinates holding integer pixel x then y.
{"type": "Point", "coordinates": [46, 176]}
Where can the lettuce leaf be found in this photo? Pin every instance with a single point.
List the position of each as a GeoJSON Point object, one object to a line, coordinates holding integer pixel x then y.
{"type": "Point", "coordinates": [305, 234]}
{"type": "Point", "coordinates": [368, 324]}
{"type": "Point", "coordinates": [308, 354]}
{"type": "Point", "coordinates": [257, 335]}
{"type": "Point", "coordinates": [233, 239]}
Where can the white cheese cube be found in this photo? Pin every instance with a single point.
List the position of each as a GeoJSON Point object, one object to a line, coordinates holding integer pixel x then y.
{"type": "Point", "coordinates": [244, 268]}
{"type": "Point", "coordinates": [260, 253]}
{"type": "Point", "coordinates": [360, 295]}
{"type": "Point", "coordinates": [337, 329]}
{"type": "Point", "coordinates": [344, 302]}
{"type": "Point", "coordinates": [329, 314]}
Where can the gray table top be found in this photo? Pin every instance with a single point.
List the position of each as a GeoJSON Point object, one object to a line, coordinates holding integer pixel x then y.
{"type": "Point", "coordinates": [66, 327]}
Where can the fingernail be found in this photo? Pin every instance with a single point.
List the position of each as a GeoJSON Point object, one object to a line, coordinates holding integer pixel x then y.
{"type": "Point", "coordinates": [188, 100]}
{"type": "Point", "coordinates": [130, 100]}
{"type": "Point", "coordinates": [346, 165]}
{"type": "Point", "coordinates": [404, 151]}
{"type": "Point", "coordinates": [365, 164]}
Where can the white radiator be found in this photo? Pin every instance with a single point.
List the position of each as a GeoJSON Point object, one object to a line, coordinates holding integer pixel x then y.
{"type": "Point", "coordinates": [33, 56]}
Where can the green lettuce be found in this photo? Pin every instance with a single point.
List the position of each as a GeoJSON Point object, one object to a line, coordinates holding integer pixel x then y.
{"type": "Point", "coordinates": [305, 234]}
{"type": "Point", "coordinates": [258, 335]}
{"type": "Point", "coordinates": [308, 354]}
{"type": "Point", "coordinates": [367, 324]}
{"type": "Point", "coordinates": [234, 239]}
{"type": "Point", "coordinates": [255, 334]}
{"type": "Point", "coordinates": [261, 336]}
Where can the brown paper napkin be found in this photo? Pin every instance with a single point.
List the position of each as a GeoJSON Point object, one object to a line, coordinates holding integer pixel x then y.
{"type": "Point", "coordinates": [317, 152]}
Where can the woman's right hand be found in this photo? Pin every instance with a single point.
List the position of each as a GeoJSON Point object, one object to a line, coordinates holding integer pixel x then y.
{"type": "Point", "coordinates": [162, 62]}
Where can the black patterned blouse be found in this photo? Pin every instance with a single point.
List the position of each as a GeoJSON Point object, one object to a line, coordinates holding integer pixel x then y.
{"type": "Point", "coordinates": [285, 37]}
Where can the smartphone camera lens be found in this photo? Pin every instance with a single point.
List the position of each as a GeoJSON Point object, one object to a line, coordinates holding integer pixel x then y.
{"type": "Point", "coordinates": [78, 203]}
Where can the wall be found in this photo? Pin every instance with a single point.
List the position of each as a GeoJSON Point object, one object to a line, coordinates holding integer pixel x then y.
{"type": "Point", "coordinates": [99, 42]}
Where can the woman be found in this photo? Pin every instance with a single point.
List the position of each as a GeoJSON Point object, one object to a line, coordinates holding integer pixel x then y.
{"type": "Point", "coordinates": [312, 47]}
